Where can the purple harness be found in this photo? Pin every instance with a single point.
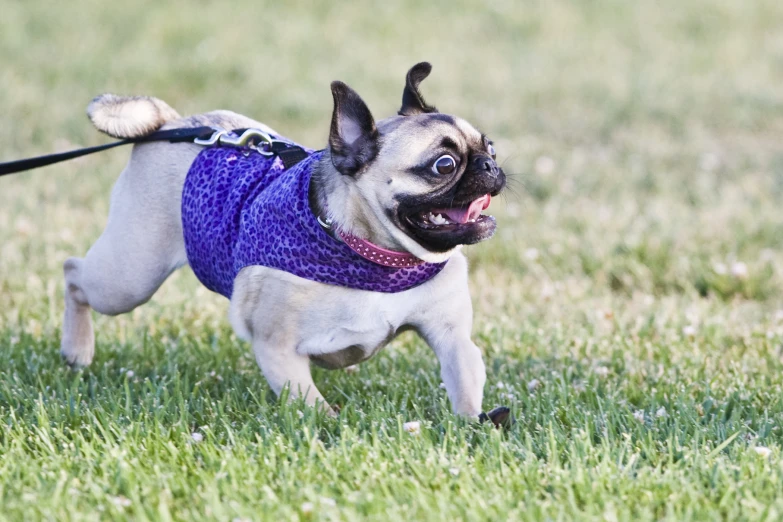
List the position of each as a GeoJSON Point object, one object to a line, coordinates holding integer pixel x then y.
{"type": "Point", "coordinates": [240, 210]}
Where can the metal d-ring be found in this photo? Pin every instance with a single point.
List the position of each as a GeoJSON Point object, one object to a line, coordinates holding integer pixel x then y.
{"type": "Point", "coordinates": [326, 223]}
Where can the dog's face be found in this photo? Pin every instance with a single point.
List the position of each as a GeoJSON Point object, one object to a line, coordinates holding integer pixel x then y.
{"type": "Point", "coordinates": [425, 177]}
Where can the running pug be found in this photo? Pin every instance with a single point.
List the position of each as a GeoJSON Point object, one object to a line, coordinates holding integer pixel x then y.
{"type": "Point", "coordinates": [411, 187]}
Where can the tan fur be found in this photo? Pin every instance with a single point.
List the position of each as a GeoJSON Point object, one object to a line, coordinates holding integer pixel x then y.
{"type": "Point", "coordinates": [129, 116]}
{"type": "Point", "coordinates": [288, 320]}
{"type": "Point", "coordinates": [360, 207]}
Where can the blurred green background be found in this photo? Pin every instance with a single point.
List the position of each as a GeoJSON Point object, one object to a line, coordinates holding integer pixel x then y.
{"type": "Point", "coordinates": [637, 263]}
{"type": "Point", "coordinates": [643, 138]}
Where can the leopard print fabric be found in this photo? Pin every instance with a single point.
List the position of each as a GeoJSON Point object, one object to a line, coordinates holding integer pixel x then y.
{"type": "Point", "coordinates": [241, 209]}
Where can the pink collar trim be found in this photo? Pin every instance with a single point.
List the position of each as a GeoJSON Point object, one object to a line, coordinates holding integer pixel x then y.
{"type": "Point", "coordinates": [380, 255]}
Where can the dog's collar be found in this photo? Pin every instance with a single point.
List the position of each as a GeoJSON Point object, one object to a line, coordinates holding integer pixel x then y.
{"type": "Point", "coordinates": [373, 252]}
{"type": "Point", "coordinates": [381, 256]}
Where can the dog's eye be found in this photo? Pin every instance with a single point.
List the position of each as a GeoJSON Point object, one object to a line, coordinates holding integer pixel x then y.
{"type": "Point", "coordinates": [444, 165]}
{"type": "Point", "coordinates": [491, 150]}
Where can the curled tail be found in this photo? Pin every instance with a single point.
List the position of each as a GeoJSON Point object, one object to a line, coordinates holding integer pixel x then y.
{"type": "Point", "coordinates": [129, 116]}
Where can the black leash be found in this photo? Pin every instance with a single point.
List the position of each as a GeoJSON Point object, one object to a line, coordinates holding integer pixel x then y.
{"type": "Point", "coordinates": [289, 154]}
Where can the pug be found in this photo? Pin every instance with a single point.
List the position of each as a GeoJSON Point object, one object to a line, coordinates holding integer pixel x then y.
{"type": "Point", "coordinates": [324, 259]}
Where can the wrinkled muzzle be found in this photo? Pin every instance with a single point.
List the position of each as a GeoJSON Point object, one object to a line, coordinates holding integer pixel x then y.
{"type": "Point", "coordinates": [454, 218]}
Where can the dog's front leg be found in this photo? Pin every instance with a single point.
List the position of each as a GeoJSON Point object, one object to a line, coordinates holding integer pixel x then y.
{"type": "Point", "coordinates": [282, 367]}
{"type": "Point", "coordinates": [273, 332]}
{"type": "Point", "coordinates": [461, 365]}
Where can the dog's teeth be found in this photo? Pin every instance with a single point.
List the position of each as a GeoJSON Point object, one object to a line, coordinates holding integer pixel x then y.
{"type": "Point", "coordinates": [437, 219]}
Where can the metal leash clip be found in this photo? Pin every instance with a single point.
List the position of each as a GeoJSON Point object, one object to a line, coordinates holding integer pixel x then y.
{"type": "Point", "coordinates": [212, 140]}
{"type": "Point", "coordinates": [249, 138]}
{"type": "Point", "coordinates": [254, 139]}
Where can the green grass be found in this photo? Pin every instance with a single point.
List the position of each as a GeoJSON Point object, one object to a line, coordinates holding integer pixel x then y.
{"type": "Point", "coordinates": [629, 307]}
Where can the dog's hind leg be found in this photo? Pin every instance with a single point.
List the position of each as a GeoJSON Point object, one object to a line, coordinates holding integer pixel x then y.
{"type": "Point", "coordinates": [141, 245]}
{"type": "Point", "coordinates": [78, 340]}
{"type": "Point", "coordinates": [110, 283]}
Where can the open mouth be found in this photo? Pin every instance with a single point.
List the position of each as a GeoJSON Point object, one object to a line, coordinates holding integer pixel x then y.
{"type": "Point", "coordinates": [452, 217]}
{"type": "Point", "coordinates": [442, 228]}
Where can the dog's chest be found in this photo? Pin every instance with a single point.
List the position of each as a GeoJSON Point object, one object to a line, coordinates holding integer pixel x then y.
{"type": "Point", "coordinates": [351, 331]}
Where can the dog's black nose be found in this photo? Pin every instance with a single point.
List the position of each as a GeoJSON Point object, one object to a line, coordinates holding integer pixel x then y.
{"type": "Point", "coordinates": [486, 164]}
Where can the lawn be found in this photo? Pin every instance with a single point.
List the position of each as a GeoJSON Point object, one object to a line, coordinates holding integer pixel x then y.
{"type": "Point", "coordinates": [630, 307]}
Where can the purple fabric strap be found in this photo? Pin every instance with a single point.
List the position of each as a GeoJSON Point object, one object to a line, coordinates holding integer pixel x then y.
{"type": "Point", "coordinates": [242, 209]}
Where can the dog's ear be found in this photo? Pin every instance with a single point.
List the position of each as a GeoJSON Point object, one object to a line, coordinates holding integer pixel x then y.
{"type": "Point", "coordinates": [412, 100]}
{"type": "Point", "coordinates": [353, 137]}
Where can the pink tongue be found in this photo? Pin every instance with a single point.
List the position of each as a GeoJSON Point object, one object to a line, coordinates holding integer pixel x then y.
{"type": "Point", "coordinates": [463, 215]}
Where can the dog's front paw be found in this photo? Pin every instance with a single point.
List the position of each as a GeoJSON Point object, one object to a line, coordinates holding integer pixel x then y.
{"type": "Point", "coordinates": [501, 417]}
{"type": "Point", "coordinates": [77, 351]}
{"type": "Point", "coordinates": [76, 361]}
